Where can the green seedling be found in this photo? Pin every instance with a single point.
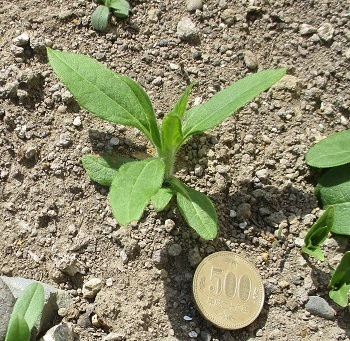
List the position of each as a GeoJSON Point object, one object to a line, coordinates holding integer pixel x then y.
{"type": "Point", "coordinates": [117, 98]}
{"type": "Point", "coordinates": [333, 193]}
{"type": "Point", "coordinates": [318, 233]}
{"type": "Point", "coordinates": [25, 313]}
{"type": "Point", "coordinates": [340, 282]}
{"type": "Point", "coordinates": [100, 17]}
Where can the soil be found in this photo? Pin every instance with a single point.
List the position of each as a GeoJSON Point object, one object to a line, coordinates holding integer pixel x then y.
{"type": "Point", "coordinates": [253, 163]}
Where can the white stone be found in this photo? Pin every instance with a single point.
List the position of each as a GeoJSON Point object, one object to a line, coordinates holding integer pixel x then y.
{"type": "Point", "coordinates": [92, 287]}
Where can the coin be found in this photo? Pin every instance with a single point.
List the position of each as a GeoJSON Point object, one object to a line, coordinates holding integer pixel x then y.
{"type": "Point", "coordinates": [228, 290]}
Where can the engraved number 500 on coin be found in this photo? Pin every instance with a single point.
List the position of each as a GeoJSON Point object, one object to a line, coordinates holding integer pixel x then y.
{"type": "Point", "coordinates": [228, 290]}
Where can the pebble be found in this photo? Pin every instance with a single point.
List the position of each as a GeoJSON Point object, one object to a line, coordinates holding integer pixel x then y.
{"type": "Point", "coordinates": [228, 16]}
{"type": "Point", "coordinates": [21, 40]}
{"type": "Point", "coordinates": [192, 334]}
{"type": "Point", "coordinates": [194, 256]}
{"type": "Point", "coordinates": [77, 121]}
{"type": "Point", "coordinates": [169, 225]}
{"type": "Point", "coordinates": [174, 250]}
{"type": "Point", "coordinates": [31, 152]}
{"type": "Point", "coordinates": [186, 29]}
{"type": "Point", "coordinates": [250, 60]}
{"type": "Point", "coordinates": [205, 335]}
{"type": "Point", "coordinates": [92, 287]}
{"type": "Point", "coordinates": [305, 29]}
{"type": "Point", "coordinates": [114, 337]}
{"type": "Point", "coordinates": [262, 174]}
{"type": "Point", "coordinates": [157, 81]}
{"type": "Point", "coordinates": [320, 307]}
{"type": "Point", "coordinates": [325, 32]}
{"type": "Point", "coordinates": [198, 170]}
{"type": "Point", "coordinates": [192, 5]}
{"type": "Point", "coordinates": [65, 139]}
{"type": "Point", "coordinates": [153, 15]}
{"type": "Point", "coordinates": [114, 141]}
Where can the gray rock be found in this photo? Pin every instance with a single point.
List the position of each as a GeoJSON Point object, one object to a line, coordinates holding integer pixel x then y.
{"type": "Point", "coordinates": [21, 40]}
{"type": "Point", "coordinates": [192, 5]}
{"type": "Point", "coordinates": [65, 139]}
{"type": "Point", "coordinates": [114, 337]}
{"type": "Point", "coordinates": [194, 256]}
{"type": "Point", "coordinates": [262, 174]}
{"type": "Point", "coordinates": [250, 60]}
{"type": "Point", "coordinates": [169, 225]}
{"type": "Point", "coordinates": [174, 250]}
{"type": "Point", "coordinates": [198, 170]}
{"type": "Point", "coordinates": [69, 264]}
{"type": "Point", "coordinates": [92, 287]}
{"type": "Point", "coordinates": [305, 29]}
{"type": "Point", "coordinates": [186, 29]}
{"type": "Point", "coordinates": [326, 32]}
{"type": "Point", "coordinates": [153, 15]}
{"type": "Point", "coordinates": [7, 302]}
{"type": "Point", "coordinates": [244, 211]}
{"type": "Point", "coordinates": [61, 332]}
{"type": "Point", "coordinates": [228, 16]}
{"type": "Point", "coordinates": [319, 307]}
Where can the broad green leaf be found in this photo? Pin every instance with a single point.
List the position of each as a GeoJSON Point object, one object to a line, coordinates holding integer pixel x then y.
{"type": "Point", "coordinates": [29, 304]}
{"type": "Point", "coordinates": [334, 186]}
{"type": "Point", "coordinates": [227, 101]}
{"type": "Point", "coordinates": [332, 151]}
{"type": "Point", "coordinates": [99, 18]}
{"type": "Point", "coordinates": [341, 223]}
{"type": "Point", "coordinates": [103, 168]}
{"type": "Point", "coordinates": [120, 8]}
{"type": "Point", "coordinates": [340, 281]}
{"type": "Point", "coordinates": [18, 329]}
{"type": "Point", "coordinates": [318, 233]}
{"type": "Point", "coordinates": [197, 209]}
{"type": "Point", "coordinates": [181, 104]}
{"type": "Point", "coordinates": [106, 94]}
{"type": "Point", "coordinates": [162, 198]}
{"type": "Point", "coordinates": [133, 186]}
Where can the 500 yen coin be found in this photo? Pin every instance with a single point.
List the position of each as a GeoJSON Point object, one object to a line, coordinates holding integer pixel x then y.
{"type": "Point", "coordinates": [228, 290]}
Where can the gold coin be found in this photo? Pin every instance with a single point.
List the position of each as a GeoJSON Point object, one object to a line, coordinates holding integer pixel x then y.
{"type": "Point", "coordinates": [228, 290]}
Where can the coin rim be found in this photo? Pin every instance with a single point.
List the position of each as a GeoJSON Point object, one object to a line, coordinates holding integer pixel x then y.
{"type": "Point", "coordinates": [200, 306]}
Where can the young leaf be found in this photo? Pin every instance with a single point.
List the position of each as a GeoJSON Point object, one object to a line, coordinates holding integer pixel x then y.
{"type": "Point", "coordinates": [133, 186]}
{"type": "Point", "coordinates": [29, 305]}
{"type": "Point", "coordinates": [181, 104]}
{"type": "Point", "coordinates": [162, 198]}
{"type": "Point", "coordinates": [17, 329]}
{"type": "Point", "coordinates": [318, 234]}
{"type": "Point", "coordinates": [103, 168]}
{"type": "Point", "coordinates": [340, 281]}
{"type": "Point", "coordinates": [99, 18]}
{"type": "Point", "coordinates": [227, 101]}
{"type": "Point", "coordinates": [108, 95]}
{"type": "Point", "coordinates": [171, 134]}
{"type": "Point", "coordinates": [334, 186]}
{"type": "Point", "coordinates": [120, 8]}
{"type": "Point", "coordinates": [197, 209]}
{"type": "Point", "coordinates": [330, 152]}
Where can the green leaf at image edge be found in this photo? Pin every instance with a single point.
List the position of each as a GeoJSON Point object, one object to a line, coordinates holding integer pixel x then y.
{"type": "Point", "coordinates": [197, 209]}
{"type": "Point", "coordinates": [332, 151]}
{"type": "Point", "coordinates": [132, 188]}
{"type": "Point", "coordinates": [340, 281]}
{"type": "Point", "coordinates": [18, 329]}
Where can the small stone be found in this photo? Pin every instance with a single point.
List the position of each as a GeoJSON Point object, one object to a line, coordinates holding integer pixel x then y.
{"type": "Point", "coordinates": [192, 334]}
{"type": "Point", "coordinates": [186, 29]}
{"type": "Point", "coordinates": [262, 174]}
{"type": "Point", "coordinates": [114, 337]}
{"type": "Point", "coordinates": [153, 15]}
{"type": "Point", "coordinates": [114, 141]}
{"type": "Point", "coordinates": [205, 335]}
{"type": "Point", "coordinates": [31, 153]}
{"type": "Point", "coordinates": [228, 16]}
{"type": "Point", "coordinates": [305, 29]}
{"type": "Point", "coordinates": [173, 66]}
{"type": "Point", "coordinates": [243, 211]}
{"type": "Point", "coordinates": [326, 32]}
{"type": "Point", "coordinates": [169, 225]}
{"type": "Point", "coordinates": [198, 170]}
{"type": "Point", "coordinates": [174, 250]}
{"type": "Point", "coordinates": [157, 81]}
{"type": "Point", "coordinates": [287, 82]}
{"type": "Point", "coordinates": [63, 331]}
{"type": "Point", "coordinates": [109, 282]}
{"type": "Point", "coordinates": [194, 256]}
{"type": "Point", "coordinates": [92, 287]}
{"type": "Point", "coordinates": [21, 40]}
{"type": "Point", "coordinates": [250, 60]}
{"type": "Point", "coordinates": [95, 321]}
{"type": "Point", "coordinates": [193, 5]}
{"type": "Point", "coordinates": [320, 307]}
{"type": "Point", "coordinates": [259, 333]}
{"type": "Point", "coordinates": [65, 139]}
{"type": "Point", "coordinates": [187, 318]}
{"type": "Point", "coordinates": [283, 284]}
{"type": "Point", "coordinates": [77, 121]}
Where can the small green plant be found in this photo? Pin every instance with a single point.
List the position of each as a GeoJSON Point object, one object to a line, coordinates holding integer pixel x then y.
{"type": "Point", "coordinates": [333, 193]}
{"type": "Point", "coordinates": [119, 99]}
{"type": "Point", "coordinates": [25, 313]}
{"type": "Point", "coordinates": [100, 17]}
